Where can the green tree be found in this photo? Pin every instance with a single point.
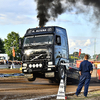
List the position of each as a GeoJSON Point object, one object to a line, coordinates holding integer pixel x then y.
{"type": "Point", "coordinates": [96, 57]}
{"type": "Point", "coordinates": [73, 57]}
{"type": "Point", "coordinates": [2, 46]}
{"type": "Point", "coordinates": [75, 54]}
{"type": "Point", "coordinates": [12, 41]}
{"type": "Point", "coordinates": [82, 56]}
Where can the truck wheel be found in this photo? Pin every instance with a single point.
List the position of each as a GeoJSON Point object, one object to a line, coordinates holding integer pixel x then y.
{"type": "Point", "coordinates": [61, 72]}
{"type": "Point", "coordinates": [32, 79]}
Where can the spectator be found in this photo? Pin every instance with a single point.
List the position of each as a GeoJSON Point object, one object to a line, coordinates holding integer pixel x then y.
{"type": "Point", "coordinates": [85, 71]}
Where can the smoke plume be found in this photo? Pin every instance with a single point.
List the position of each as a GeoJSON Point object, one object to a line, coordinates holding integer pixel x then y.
{"type": "Point", "coordinates": [50, 9]}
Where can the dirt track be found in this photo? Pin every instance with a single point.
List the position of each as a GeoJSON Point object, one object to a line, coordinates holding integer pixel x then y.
{"type": "Point", "coordinates": [2, 71]}
{"type": "Point", "coordinates": [20, 88]}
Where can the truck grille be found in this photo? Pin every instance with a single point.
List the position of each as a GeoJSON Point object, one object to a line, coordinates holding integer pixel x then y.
{"type": "Point", "coordinates": [35, 56]}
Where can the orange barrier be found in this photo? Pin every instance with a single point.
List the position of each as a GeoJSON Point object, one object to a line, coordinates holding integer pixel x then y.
{"type": "Point", "coordinates": [98, 72]}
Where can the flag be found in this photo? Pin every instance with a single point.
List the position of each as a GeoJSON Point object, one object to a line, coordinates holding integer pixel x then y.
{"type": "Point", "coordinates": [97, 57]}
{"type": "Point", "coordinates": [13, 52]}
{"type": "Point", "coordinates": [79, 53]}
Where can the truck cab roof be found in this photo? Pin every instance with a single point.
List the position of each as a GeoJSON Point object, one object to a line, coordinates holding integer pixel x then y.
{"type": "Point", "coordinates": [44, 30]}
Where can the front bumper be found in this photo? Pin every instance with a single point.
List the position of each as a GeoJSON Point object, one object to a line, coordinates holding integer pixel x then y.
{"type": "Point", "coordinates": [37, 67]}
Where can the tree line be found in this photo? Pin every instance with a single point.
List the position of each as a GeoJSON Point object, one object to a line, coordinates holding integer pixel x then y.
{"type": "Point", "coordinates": [73, 57]}
{"type": "Point", "coordinates": [7, 44]}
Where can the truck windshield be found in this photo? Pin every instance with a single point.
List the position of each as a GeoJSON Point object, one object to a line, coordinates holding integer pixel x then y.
{"type": "Point", "coordinates": [38, 40]}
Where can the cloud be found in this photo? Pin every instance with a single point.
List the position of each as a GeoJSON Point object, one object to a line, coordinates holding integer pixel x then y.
{"type": "Point", "coordinates": [72, 44]}
{"type": "Point", "coordinates": [80, 43]}
{"type": "Point", "coordinates": [17, 12]}
{"type": "Point", "coordinates": [88, 42]}
{"type": "Point", "coordinates": [76, 43]}
{"type": "Point", "coordinates": [2, 16]}
{"type": "Point", "coordinates": [26, 9]}
{"type": "Point", "coordinates": [19, 6]}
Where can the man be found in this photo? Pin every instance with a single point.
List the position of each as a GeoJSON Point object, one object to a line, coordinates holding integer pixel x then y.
{"type": "Point", "coordinates": [85, 71]}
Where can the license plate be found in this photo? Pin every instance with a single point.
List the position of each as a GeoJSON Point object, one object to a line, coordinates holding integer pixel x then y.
{"type": "Point", "coordinates": [28, 75]}
{"type": "Point", "coordinates": [50, 74]}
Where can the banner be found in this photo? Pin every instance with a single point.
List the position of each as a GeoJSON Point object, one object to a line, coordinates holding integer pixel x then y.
{"type": "Point", "coordinates": [13, 52]}
{"type": "Point", "coordinates": [79, 53]}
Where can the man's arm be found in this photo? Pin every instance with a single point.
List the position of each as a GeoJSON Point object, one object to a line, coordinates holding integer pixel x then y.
{"type": "Point", "coordinates": [80, 68]}
{"type": "Point", "coordinates": [91, 70]}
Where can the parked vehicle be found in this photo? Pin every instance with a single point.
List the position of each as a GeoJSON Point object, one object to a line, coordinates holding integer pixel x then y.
{"type": "Point", "coordinates": [3, 58]}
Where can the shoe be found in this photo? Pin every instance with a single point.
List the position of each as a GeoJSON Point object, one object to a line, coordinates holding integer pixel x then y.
{"type": "Point", "coordinates": [76, 95]}
{"type": "Point", "coordinates": [85, 96]}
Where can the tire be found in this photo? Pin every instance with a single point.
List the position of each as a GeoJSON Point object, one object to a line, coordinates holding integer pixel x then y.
{"type": "Point", "coordinates": [32, 79]}
{"type": "Point", "coordinates": [61, 72]}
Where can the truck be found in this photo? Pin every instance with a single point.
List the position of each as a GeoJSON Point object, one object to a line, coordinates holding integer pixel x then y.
{"type": "Point", "coordinates": [3, 58]}
{"type": "Point", "coordinates": [45, 54]}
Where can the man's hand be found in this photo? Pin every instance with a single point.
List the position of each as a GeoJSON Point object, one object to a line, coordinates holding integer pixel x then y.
{"type": "Point", "coordinates": [91, 72]}
{"type": "Point", "coordinates": [80, 72]}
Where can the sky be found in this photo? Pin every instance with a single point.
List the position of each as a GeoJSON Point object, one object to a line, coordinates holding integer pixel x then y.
{"type": "Point", "coordinates": [20, 15]}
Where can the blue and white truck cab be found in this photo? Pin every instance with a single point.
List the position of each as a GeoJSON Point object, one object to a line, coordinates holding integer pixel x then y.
{"type": "Point", "coordinates": [45, 53]}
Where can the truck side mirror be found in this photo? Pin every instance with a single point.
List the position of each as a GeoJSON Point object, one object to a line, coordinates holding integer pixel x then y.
{"type": "Point", "coordinates": [20, 43]}
{"type": "Point", "coordinates": [58, 40]}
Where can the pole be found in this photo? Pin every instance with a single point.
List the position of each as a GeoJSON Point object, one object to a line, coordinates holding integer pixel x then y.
{"type": "Point", "coordinates": [94, 54]}
{"type": "Point", "coordinates": [94, 47]}
{"type": "Point", "coordinates": [13, 51]}
{"type": "Point", "coordinates": [74, 55]}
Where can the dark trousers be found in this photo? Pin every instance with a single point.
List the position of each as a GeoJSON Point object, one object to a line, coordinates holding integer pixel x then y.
{"type": "Point", "coordinates": [84, 80]}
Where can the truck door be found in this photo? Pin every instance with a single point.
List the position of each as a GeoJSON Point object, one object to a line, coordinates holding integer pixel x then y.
{"type": "Point", "coordinates": [57, 48]}
{"type": "Point", "coordinates": [64, 51]}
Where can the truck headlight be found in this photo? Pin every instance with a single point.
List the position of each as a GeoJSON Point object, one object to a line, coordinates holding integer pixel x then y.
{"type": "Point", "coordinates": [48, 57]}
{"type": "Point", "coordinates": [37, 65]}
{"type": "Point", "coordinates": [33, 65]}
{"type": "Point", "coordinates": [24, 64]}
{"type": "Point", "coordinates": [40, 65]}
{"type": "Point", "coordinates": [50, 63]}
{"type": "Point", "coordinates": [28, 52]}
{"type": "Point", "coordinates": [30, 65]}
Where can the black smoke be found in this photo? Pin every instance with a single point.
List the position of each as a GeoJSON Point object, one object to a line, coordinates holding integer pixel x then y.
{"type": "Point", "coordinates": [50, 9]}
